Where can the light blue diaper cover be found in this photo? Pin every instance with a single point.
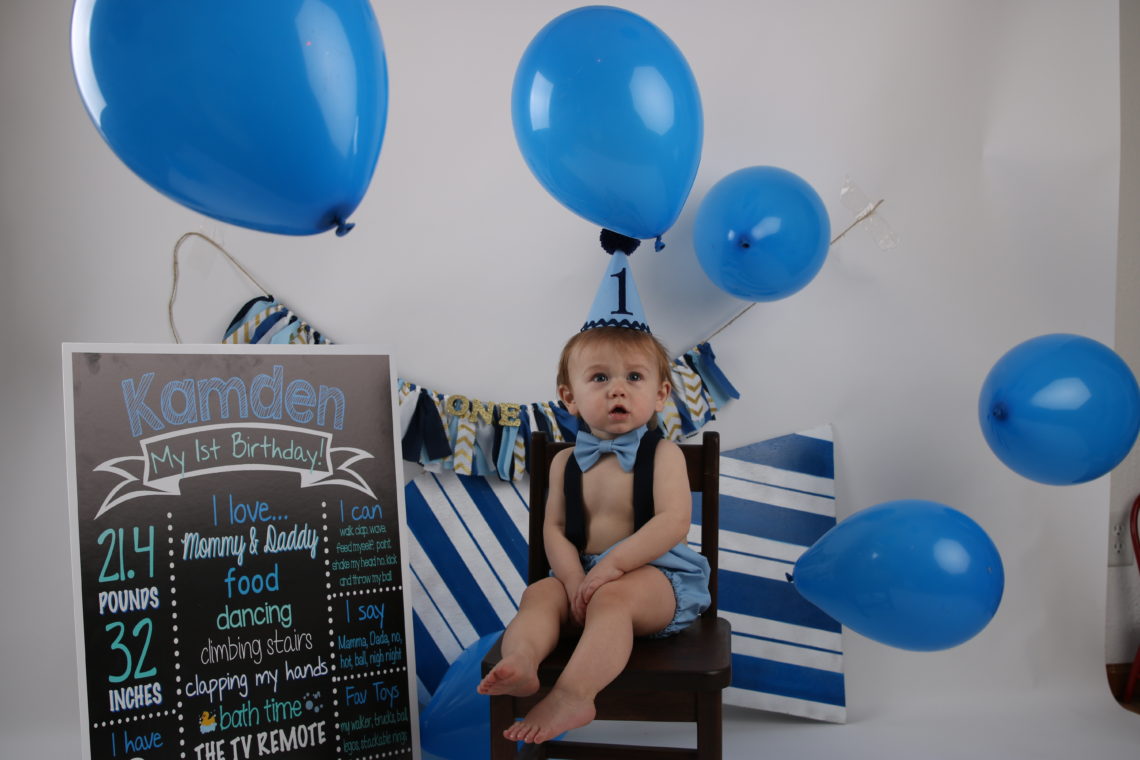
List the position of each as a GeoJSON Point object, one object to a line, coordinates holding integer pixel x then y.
{"type": "Point", "coordinates": [688, 571]}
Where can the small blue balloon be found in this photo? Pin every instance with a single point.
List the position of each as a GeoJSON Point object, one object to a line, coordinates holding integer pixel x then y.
{"type": "Point", "coordinates": [761, 233]}
{"type": "Point", "coordinates": [267, 114]}
{"type": "Point", "coordinates": [1060, 409]}
{"type": "Point", "coordinates": [608, 118]}
{"type": "Point", "coordinates": [911, 574]}
{"type": "Point", "coordinates": [456, 722]}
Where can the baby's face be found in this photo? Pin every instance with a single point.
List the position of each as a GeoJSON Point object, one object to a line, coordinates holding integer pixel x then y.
{"type": "Point", "coordinates": [614, 392]}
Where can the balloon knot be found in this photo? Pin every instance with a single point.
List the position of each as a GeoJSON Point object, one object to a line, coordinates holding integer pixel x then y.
{"type": "Point", "coordinates": [615, 241]}
{"type": "Point", "coordinates": [342, 227]}
{"type": "Point", "coordinates": [789, 577]}
{"type": "Point", "coordinates": [657, 244]}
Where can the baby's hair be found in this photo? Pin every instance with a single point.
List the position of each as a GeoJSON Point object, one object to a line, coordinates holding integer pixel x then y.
{"type": "Point", "coordinates": [621, 339]}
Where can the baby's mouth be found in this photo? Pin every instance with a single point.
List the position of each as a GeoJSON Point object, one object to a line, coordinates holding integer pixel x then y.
{"type": "Point", "coordinates": [618, 411]}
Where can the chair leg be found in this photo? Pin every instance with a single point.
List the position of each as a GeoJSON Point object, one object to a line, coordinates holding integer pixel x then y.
{"type": "Point", "coordinates": [709, 725]}
{"type": "Point", "coordinates": [1133, 673]}
{"type": "Point", "coordinates": [501, 717]}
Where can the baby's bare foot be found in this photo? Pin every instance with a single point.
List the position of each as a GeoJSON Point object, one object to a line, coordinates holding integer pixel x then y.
{"type": "Point", "coordinates": [559, 711]}
{"type": "Point", "coordinates": [514, 675]}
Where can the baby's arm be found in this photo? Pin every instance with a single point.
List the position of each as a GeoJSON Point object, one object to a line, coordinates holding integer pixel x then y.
{"type": "Point", "coordinates": [560, 553]}
{"type": "Point", "coordinates": [673, 511]}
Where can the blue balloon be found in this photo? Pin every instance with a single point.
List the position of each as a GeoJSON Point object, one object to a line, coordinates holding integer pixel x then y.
{"type": "Point", "coordinates": [267, 114]}
{"type": "Point", "coordinates": [456, 722]}
{"type": "Point", "coordinates": [761, 233]}
{"type": "Point", "coordinates": [911, 574]}
{"type": "Point", "coordinates": [1060, 409]}
{"type": "Point", "coordinates": [608, 118]}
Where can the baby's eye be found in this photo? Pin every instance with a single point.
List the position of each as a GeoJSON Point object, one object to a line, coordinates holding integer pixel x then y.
{"type": "Point", "coordinates": [635, 377]}
{"type": "Point", "coordinates": [599, 377]}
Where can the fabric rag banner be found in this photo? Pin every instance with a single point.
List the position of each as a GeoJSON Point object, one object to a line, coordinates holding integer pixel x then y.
{"type": "Point", "coordinates": [468, 565]}
{"type": "Point", "coordinates": [451, 431]}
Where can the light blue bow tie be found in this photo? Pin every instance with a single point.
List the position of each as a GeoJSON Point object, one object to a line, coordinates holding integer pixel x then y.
{"type": "Point", "coordinates": [588, 448]}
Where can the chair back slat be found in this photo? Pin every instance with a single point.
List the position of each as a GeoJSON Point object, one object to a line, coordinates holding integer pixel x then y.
{"type": "Point", "coordinates": [702, 462]}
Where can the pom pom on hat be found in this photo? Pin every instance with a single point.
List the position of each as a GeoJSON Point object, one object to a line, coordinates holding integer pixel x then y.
{"type": "Point", "coordinates": [615, 241]}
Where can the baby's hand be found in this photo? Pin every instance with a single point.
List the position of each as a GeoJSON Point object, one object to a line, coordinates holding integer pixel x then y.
{"type": "Point", "coordinates": [573, 590]}
{"type": "Point", "coordinates": [601, 574]}
{"type": "Point", "coordinates": [578, 609]}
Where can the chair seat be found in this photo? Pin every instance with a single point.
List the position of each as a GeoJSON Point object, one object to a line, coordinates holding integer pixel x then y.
{"type": "Point", "coordinates": [698, 658]}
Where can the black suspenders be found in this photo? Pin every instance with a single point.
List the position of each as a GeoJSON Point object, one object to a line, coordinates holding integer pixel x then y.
{"type": "Point", "coordinates": [642, 490]}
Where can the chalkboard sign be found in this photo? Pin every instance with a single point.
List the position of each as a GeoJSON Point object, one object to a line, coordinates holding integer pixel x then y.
{"type": "Point", "coordinates": [236, 548]}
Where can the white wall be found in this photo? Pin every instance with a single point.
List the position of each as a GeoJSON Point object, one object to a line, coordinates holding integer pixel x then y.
{"type": "Point", "coordinates": [992, 130]}
{"type": "Point", "coordinates": [1122, 630]}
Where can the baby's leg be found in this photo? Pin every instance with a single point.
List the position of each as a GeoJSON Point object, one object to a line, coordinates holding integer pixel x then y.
{"type": "Point", "coordinates": [528, 639]}
{"type": "Point", "coordinates": [637, 604]}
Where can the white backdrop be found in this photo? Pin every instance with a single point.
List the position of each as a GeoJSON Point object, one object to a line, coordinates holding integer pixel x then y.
{"type": "Point", "coordinates": [991, 129]}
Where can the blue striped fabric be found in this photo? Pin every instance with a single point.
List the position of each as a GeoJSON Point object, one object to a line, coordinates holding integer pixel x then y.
{"type": "Point", "coordinates": [468, 550]}
{"type": "Point", "coordinates": [777, 498]}
{"type": "Point", "coordinates": [468, 555]}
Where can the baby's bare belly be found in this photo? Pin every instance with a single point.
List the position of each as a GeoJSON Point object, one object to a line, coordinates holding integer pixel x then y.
{"type": "Point", "coordinates": [604, 531]}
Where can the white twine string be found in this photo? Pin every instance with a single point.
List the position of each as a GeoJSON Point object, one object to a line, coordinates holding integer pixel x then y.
{"type": "Point", "coordinates": [864, 214]}
{"type": "Point", "coordinates": [174, 278]}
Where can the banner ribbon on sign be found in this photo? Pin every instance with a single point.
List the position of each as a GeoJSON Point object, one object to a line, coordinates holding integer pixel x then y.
{"type": "Point", "coordinates": [168, 458]}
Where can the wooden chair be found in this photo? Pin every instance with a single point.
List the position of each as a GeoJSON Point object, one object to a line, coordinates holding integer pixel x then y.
{"type": "Point", "coordinates": [678, 679]}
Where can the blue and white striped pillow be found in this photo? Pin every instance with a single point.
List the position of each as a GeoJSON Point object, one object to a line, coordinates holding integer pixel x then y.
{"type": "Point", "coordinates": [468, 563]}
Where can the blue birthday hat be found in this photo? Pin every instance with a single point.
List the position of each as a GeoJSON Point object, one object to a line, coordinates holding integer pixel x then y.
{"type": "Point", "coordinates": [617, 303]}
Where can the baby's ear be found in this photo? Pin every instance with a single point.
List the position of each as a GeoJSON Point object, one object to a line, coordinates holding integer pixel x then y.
{"type": "Point", "coordinates": [566, 395]}
{"type": "Point", "coordinates": [663, 394]}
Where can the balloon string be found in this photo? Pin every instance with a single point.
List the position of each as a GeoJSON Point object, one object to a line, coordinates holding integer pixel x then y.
{"type": "Point", "coordinates": [174, 278]}
{"type": "Point", "coordinates": [864, 214]}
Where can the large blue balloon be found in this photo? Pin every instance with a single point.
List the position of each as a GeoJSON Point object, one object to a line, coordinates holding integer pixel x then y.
{"type": "Point", "coordinates": [911, 574]}
{"type": "Point", "coordinates": [267, 114]}
{"type": "Point", "coordinates": [1060, 409]}
{"type": "Point", "coordinates": [456, 722]}
{"type": "Point", "coordinates": [761, 233]}
{"type": "Point", "coordinates": [607, 115]}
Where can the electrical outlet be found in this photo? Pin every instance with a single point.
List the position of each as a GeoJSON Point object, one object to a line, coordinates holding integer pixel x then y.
{"type": "Point", "coordinates": [1119, 542]}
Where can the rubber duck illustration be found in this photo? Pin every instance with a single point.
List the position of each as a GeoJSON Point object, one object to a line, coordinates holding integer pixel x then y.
{"type": "Point", "coordinates": [206, 722]}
